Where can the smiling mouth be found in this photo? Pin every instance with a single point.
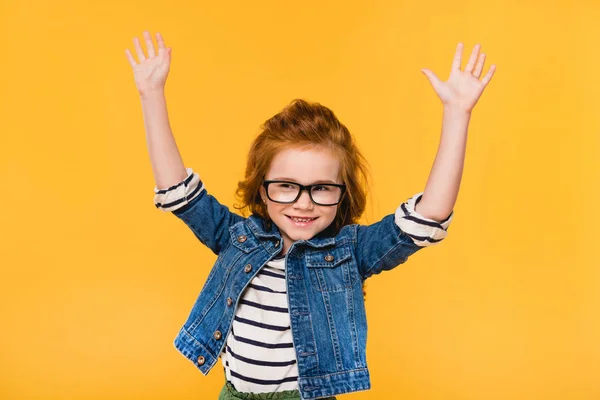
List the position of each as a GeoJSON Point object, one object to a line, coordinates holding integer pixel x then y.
{"type": "Point", "coordinates": [301, 220]}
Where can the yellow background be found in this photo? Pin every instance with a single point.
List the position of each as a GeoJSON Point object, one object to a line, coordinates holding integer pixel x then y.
{"type": "Point", "coordinates": [96, 282]}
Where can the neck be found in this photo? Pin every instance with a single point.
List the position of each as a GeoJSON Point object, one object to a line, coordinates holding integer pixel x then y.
{"type": "Point", "coordinates": [287, 243]}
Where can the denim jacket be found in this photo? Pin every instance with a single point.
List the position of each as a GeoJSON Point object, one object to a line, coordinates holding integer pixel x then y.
{"type": "Point", "coordinates": [324, 277]}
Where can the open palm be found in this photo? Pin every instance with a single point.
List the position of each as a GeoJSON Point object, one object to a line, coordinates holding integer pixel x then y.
{"type": "Point", "coordinates": [151, 72]}
{"type": "Point", "coordinates": [463, 88]}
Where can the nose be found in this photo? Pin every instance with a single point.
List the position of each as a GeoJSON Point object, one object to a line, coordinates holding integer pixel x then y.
{"type": "Point", "coordinates": [304, 201]}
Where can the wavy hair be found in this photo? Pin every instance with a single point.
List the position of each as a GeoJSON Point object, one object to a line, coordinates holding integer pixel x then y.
{"type": "Point", "coordinates": [301, 124]}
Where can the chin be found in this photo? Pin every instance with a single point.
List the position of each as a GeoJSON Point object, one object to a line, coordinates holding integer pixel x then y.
{"type": "Point", "coordinates": [306, 236]}
{"type": "Point", "coordinates": [299, 235]}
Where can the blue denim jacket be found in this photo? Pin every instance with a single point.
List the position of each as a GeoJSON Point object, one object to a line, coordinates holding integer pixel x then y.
{"type": "Point", "coordinates": [324, 277]}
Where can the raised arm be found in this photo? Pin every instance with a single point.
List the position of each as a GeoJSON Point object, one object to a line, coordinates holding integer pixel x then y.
{"type": "Point", "coordinates": [458, 94]}
{"type": "Point", "coordinates": [178, 189]}
{"type": "Point", "coordinates": [390, 242]}
{"type": "Point", "coordinates": [423, 220]}
{"type": "Point", "coordinates": [150, 76]}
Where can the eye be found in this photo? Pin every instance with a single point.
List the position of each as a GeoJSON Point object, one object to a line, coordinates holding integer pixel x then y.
{"type": "Point", "coordinates": [284, 185]}
{"type": "Point", "coordinates": [322, 188]}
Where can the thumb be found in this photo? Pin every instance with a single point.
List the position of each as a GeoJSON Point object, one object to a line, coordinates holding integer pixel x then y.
{"type": "Point", "coordinates": [433, 79]}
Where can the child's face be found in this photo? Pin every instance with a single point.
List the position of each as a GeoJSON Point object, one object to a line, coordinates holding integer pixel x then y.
{"type": "Point", "coordinates": [305, 166]}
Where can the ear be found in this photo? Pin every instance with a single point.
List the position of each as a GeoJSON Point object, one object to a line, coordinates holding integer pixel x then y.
{"type": "Point", "coordinates": [263, 194]}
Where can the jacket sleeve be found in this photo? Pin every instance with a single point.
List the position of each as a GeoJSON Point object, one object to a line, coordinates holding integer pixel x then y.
{"type": "Point", "coordinates": [202, 213]}
{"type": "Point", "coordinates": [389, 242]}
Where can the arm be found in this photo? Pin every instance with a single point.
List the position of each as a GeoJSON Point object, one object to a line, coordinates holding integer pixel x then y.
{"type": "Point", "coordinates": [458, 95]}
{"type": "Point", "coordinates": [150, 76]}
{"type": "Point", "coordinates": [388, 243]}
{"type": "Point", "coordinates": [423, 220]}
{"type": "Point", "coordinates": [443, 183]}
{"type": "Point", "coordinates": [178, 190]}
{"type": "Point", "coordinates": [201, 212]}
{"type": "Point", "coordinates": [167, 165]}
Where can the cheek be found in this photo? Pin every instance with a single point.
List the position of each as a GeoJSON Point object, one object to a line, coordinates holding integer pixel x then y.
{"type": "Point", "coordinates": [274, 209]}
{"type": "Point", "coordinates": [330, 214]}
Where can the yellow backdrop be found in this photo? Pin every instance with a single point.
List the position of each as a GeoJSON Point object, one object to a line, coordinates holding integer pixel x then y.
{"type": "Point", "coordinates": [96, 282]}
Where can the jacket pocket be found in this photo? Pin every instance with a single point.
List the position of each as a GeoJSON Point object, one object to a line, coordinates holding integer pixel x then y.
{"type": "Point", "coordinates": [332, 270]}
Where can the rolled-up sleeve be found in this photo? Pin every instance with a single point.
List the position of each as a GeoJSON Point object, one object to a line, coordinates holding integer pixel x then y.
{"type": "Point", "coordinates": [201, 212]}
{"type": "Point", "coordinates": [423, 231]}
{"type": "Point", "coordinates": [177, 196]}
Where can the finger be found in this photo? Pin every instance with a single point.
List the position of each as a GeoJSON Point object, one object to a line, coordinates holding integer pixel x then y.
{"type": "Point", "coordinates": [479, 66]}
{"type": "Point", "coordinates": [160, 42]}
{"type": "Point", "coordinates": [433, 79]}
{"type": "Point", "coordinates": [149, 44]}
{"type": "Point", "coordinates": [472, 59]}
{"type": "Point", "coordinates": [138, 49]}
{"type": "Point", "coordinates": [486, 79]}
{"type": "Point", "coordinates": [130, 58]}
{"type": "Point", "coordinates": [457, 57]}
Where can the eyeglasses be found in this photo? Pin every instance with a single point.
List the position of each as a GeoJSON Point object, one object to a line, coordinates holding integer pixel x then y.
{"type": "Point", "coordinates": [322, 194]}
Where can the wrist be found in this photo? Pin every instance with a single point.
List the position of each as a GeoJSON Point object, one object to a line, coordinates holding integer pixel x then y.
{"type": "Point", "coordinates": [456, 109]}
{"type": "Point", "coordinates": [152, 94]}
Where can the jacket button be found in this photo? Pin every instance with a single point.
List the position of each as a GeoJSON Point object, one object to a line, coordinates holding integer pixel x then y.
{"type": "Point", "coordinates": [241, 238]}
{"type": "Point", "coordinates": [329, 258]}
{"type": "Point", "coordinates": [217, 335]}
{"type": "Point", "coordinates": [277, 243]}
{"type": "Point", "coordinates": [201, 360]}
{"type": "Point", "coordinates": [248, 268]}
{"type": "Point", "coordinates": [229, 301]}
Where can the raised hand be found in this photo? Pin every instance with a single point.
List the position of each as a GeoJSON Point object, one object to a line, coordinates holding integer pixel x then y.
{"type": "Point", "coordinates": [150, 73]}
{"type": "Point", "coordinates": [463, 88]}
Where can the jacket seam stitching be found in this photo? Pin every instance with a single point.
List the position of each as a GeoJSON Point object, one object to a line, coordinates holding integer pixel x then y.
{"type": "Point", "coordinates": [400, 242]}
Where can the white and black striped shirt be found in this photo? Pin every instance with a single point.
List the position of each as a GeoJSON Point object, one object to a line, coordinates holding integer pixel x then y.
{"type": "Point", "coordinates": [259, 354]}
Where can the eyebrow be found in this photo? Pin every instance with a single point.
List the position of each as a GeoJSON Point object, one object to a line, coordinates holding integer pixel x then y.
{"type": "Point", "coordinates": [293, 180]}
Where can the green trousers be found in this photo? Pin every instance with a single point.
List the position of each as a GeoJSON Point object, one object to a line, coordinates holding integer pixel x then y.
{"type": "Point", "coordinates": [229, 393]}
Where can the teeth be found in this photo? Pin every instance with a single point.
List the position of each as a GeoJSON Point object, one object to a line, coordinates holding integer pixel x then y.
{"type": "Point", "coordinates": [302, 219]}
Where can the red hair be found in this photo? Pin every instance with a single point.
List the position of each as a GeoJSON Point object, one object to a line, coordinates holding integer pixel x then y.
{"type": "Point", "coordinates": [301, 124]}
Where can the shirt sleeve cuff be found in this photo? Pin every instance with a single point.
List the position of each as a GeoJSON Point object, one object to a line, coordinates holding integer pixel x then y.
{"type": "Point", "coordinates": [178, 195]}
{"type": "Point", "coordinates": [423, 231]}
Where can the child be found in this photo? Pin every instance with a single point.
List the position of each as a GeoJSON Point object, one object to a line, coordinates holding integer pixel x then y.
{"type": "Point", "coordinates": [283, 305]}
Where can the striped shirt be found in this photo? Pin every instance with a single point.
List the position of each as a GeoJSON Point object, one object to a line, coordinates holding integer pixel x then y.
{"type": "Point", "coordinates": [259, 355]}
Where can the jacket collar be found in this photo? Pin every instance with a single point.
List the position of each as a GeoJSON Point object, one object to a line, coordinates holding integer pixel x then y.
{"type": "Point", "coordinates": [258, 226]}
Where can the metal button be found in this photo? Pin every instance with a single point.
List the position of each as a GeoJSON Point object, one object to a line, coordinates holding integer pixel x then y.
{"type": "Point", "coordinates": [242, 238]}
{"type": "Point", "coordinates": [217, 335]}
{"type": "Point", "coordinates": [229, 301]}
{"type": "Point", "coordinates": [248, 268]}
{"type": "Point", "coordinates": [201, 360]}
{"type": "Point", "coordinates": [329, 258]}
{"type": "Point", "coordinates": [277, 243]}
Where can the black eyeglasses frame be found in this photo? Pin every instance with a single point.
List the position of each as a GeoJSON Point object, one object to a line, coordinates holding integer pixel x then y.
{"type": "Point", "coordinates": [308, 188]}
